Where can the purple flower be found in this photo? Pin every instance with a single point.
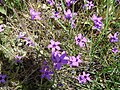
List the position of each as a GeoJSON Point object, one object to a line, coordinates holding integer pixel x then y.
{"type": "Point", "coordinates": [113, 38]}
{"type": "Point", "coordinates": [114, 50]}
{"type": "Point", "coordinates": [21, 35]}
{"type": "Point", "coordinates": [46, 72]}
{"type": "Point", "coordinates": [68, 14]}
{"type": "Point", "coordinates": [55, 15]}
{"type": "Point", "coordinates": [2, 78]}
{"type": "Point", "coordinates": [18, 58]}
{"type": "Point", "coordinates": [97, 26]}
{"type": "Point", "coordinates": [28, 42]}
{"type": "Point", "coordinates": [51, 2]}
{"type": "Point", "coordinates": [89, 4]}
{"type": "Point", "coordinates": [0, 1]}
{"type": "Point", "coordinates": [68, 2]}
{"type": "Point", "coordinates": [97, 22]}
{"type": "Point", "coordinates": [118, 1]}
{"type": "Point", "coordinates": [83, 78]}
{"type": "Point", "coordinates": [74, 61]}
{"type": "Point", "coordinates": [59, 59]}
{"type": "Point", "coordinates": [34, 14]}
{"type": "Point", "coordinates": [54, 45]}
{"type": "Point", "coordinates": [96, 19]}
{"type": "Point", "coordinates": [73, 1]}
{"type": "Point", "coordinates": [80, 40]}
{"type": "Point", "coordinates": [1, 28]}
{"type": "Point", "coordinates": [72, 23]}
{"type": "Point", "coordinates": [59, 84]}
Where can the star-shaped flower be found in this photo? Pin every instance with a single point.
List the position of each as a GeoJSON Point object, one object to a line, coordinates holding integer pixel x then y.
{"type": "Point", "coordinates": [83, 78]}
{"type": "Point", "coordinates": [89, 4]}
{"type": "Point", "coordinates": [54, 45]}
{"type": "Point", "coordinates": [34, 14]}
{"type": "Point", "coordinates": [80, 40]}
{"type": "Point", "coordinates": [59, 60]}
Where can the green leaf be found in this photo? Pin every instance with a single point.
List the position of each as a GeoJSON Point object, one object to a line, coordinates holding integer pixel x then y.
{"type": "Point", "coordinates": [2, 10]}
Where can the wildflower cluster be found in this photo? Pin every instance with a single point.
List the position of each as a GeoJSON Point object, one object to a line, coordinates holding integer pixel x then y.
{"type": "Point", "coordinates": [55, 46]}
{"type": "Point", "coordinates": [60, 58]}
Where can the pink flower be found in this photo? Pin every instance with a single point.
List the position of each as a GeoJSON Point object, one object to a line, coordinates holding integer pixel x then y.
{"type": "Point", "coordinates": [83, 78]}
{"type": "Point", "coordinates": [80, 40]}
{"type": "Point", "coordinates": [114, 50]}
{"type": "Point", "coordinates": [96, 19]}
{"type": "Point", "coordinates": [74, 61]}
{"type": "Point", "coordinates": [55, 15]}
{"type": "Point", "coordinates": [51, 2]}
{"type": "Point", "coordinates": [89, 4]}
{"type": "Point", "coordinates": [54, 45]}
{"type": "Point", "coordinates": [34, 14]}
{"type": "Point", "coordinates": [68, 14]}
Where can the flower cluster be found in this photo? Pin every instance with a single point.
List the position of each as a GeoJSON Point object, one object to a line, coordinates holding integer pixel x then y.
{"type": "Point", "coordinates": [68, 14]}
{"type": "Point", "coordinates": [97, 22]}
{"type": "Point", "coordinates": [60, 58]}
{"type": "Point", "coordinates": [114, 39]}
